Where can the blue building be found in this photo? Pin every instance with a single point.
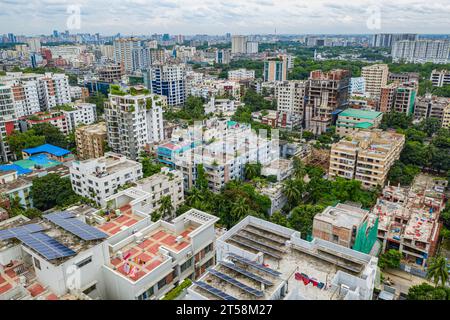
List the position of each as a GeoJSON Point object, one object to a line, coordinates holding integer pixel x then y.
{"type": "Point", "coordinates": [169, 80]}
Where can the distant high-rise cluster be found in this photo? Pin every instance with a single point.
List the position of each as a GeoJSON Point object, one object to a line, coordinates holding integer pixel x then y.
{"type": "Point", "coordinates": [421, 51]}
{"type": "Point", "coordinates": [241, 45]}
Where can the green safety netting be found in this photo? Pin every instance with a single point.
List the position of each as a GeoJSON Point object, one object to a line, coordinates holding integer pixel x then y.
{"type": "Point", "coordinates": [366, 237]}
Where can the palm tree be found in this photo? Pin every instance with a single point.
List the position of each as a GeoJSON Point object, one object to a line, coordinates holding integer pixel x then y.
{"type": "Point", "coordinates": [299, 169]}
{"type": "Point", "coordinates": [166, 207]}
{"type": "Point", "coordinates": [195, 196]}
{"type": "Point", "coordinates": [293, 191]}
{"type": "Point", "coordinates": [240, 209]}
{"type": "Point", "coordinates": [438, 270]}
{"type": "Point", "coordinates": [251, 170]}
{"type": "Point", "coordinates": [15, 207]}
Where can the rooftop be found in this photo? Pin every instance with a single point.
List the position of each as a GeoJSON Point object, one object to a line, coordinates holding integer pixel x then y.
{"type": "Point", "coordinates": [47, 148]}
{"type": "Point", "coordinates": [343, 215]}
{"type": "Point", "coordinates": [358, 113]}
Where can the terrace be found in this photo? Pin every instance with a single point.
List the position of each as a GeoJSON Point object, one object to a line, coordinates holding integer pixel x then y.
{"type": "Point", "coordinates": [114, 221]}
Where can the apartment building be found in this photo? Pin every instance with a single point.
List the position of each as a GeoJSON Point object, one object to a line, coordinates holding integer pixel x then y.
{"type": "Point", "coordinates": [440, 78]}
{"type": "Point", "coordinates": [357, 86]}
{"type": "Point", "coordinates": [421, 51]}
{"type": "Point", "coordinates": [446, 117]}
{"type": "Point", "coordinates": [340, 224]}
{"type": "Point", "coordinates": [134, 118]}
{"type": "Point", "coordinates": [141, 261]}
{"type": "Point", "coordinates": [8, 121]}
{"type": "Point", "coordinates": [430, 106]}
{"type": "Point", "coordinates": [54, 117]}
{"type": "Point", "coordinates": [399, 97]}
{"type": "Point", "coordinates": [169, 80]}
{"type": "Point", "coordinates": [91, 140]}
{"type": "Point", "coordinates": [269, 262]}
{"type": "Point", "coordinates": [404, 77]}
{"type": "Point", "coordinates": [79, 114]}
{"type": "Point", "coordinates": [327, 92]}
{"type": "Point", "coordinates": [409, 219]}
{"type": "Point", "coordinates": [223, 56]}
{"type": "Point", "coordinates": [241, 75]}
{"type": "Point", "coordinates": [226, 107]}
{"type": "Point", "coordinates": [351, 120]}
{"type": "Point", "coordinates": [124, 50]}
{"type": "Point", "coordinates": [275, 69]}
{"type": "Point", "coordinates": [54, 90]}
{"type": "Point", "coordinates": [238, 44]}
{"type": "Point", "coordinates": [100, 178]}
{"type": "Point", "coordinates": [375, 76]}
{"type": "Point", "coordinates": [291, 97]}
{"type": "Point", "coordinates": [388, 39]}
{"type": "Point", "coordinates": [223, 147]}
{"type": "Point", "coordinates": [366, 156]}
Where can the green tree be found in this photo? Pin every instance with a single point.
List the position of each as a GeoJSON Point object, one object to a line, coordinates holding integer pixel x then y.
{"type": "Point", "coordinates": [299, 169]}
{"type": "Point", "coordinates": [252, 170]}
{"type": "Point", "coordinates": [165, 207]}
{"type": "Point", "coordinates": [302, 217]}
{"type": "Point", "coordinates": [201, 183]}
{"type": "Point", "coordinates": [19, 141]}
{"type": "Point", "coordinates": [425, 291]}
{"type": "Point", "coordinates": [239, 210]}
{"type": "Point", "coordinates": [438, 270]}
{"type": "Point", "coordinates": [52, 134]}
{"type": "Point", "coordinates": [279, 218]}
{"type": "Point", "coordinates": [293, 190]}
{"type": "Point", "coordinates": [390, 259]}
{"type": "Point", "coordinates": [51, 190]}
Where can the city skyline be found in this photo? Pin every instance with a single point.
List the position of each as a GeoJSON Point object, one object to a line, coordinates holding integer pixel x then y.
{"type": "Point", "coordinates": [220, 17]}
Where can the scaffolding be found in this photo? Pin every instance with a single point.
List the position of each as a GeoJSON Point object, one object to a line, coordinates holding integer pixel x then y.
{"type": "Point", "coordinates": [366, 237]}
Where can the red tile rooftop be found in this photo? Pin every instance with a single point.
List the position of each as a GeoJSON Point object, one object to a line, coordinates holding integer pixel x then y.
{"type": "Point", "coordinates": [115, 224]}
{"type": "Point", "coordinates": [5, 288]}
{"type": "Point", "coordinates": [51, 297]}
{"type": "Point", "coordinates": [36, 290]}
{"type": "Point", "coordinates": [139, 259]}
{"type": "Point", "coordinates": [2, 280]}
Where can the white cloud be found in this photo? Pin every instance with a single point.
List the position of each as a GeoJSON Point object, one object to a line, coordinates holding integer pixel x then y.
{"type": "Point", "coordinates": [220, 16]}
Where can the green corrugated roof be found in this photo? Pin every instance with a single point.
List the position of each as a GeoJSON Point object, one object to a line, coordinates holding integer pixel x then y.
{"type": "Point", "coordinates": [357, 113]}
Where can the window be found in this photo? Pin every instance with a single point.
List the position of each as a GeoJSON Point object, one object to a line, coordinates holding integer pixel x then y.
{"type": "Point", "coordinates": [90, 289]}
{"type": "Point", "coordinates": [84, 262]}
{"type": "Point", "coordinates": [162, 283]}
{"type": "Point", "coordinates": [147, 294]}
{"type": "Point", "coordinates": [335, 238]}
{"type": "Point", "coordinates": [186, 265]}
{"type": "Point", "coordinates": [37, 263]}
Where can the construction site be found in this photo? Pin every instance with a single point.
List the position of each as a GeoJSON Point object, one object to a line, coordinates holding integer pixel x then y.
{"type": "Point", "coordinates": [259, 260]}
{"type": "Point", "coordinates": [409, 218]}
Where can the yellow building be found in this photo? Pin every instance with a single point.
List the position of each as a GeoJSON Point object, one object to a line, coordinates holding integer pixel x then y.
{"type": "Point", "coordinates": [91, 141]}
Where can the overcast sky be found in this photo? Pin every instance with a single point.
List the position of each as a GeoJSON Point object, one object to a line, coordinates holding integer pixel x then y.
{"type": "Point", "coordinates": [32, 17]}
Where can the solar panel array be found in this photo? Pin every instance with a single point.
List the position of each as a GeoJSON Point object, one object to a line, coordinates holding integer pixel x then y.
{"type": "Point", "coordinates": [260, 243]}
{"type": "Point", "coordinates": [14, 232]}
{"type": "Point", "coordinates": [254, 264]}
{"type": "Point", "coordinates": [45, 245]}
{"type": "Point", "coordinates": [240, 285]}
{"type": "Point", "coordinates": [262, 235]}
{"type": "Point", "coordinates": [244, 272]}
{"type": "Point", "coordinates": [244, 244]}
{"type": "Point", "coordinates": [82, 230]}
{"type": "Point", "coordinates": [218, 293]}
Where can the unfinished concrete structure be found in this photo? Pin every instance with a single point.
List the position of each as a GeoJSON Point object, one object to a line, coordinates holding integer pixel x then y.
{"type": "Point", "coordinates": [260, 260]}
{"type": "Point", "coordinates": [409, 218]}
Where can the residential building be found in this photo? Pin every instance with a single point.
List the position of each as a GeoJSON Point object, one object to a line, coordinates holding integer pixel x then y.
{"type": "Point", "coordinates": [54, 117]}
{"type": "Point", "coordinates": [399, 97]}
{"type": "Point", "coordinates": [388, 39]}
{"type": "Point", "coordinates": [241, 74]}
{"type": "Point", "coordinates": [223, 56]}
{"type": "Point", "coordinates": [275, 69]}
{"type": "Point", "coordinates": [421, 51]}
{"type": "Point", "coordinates": [430, 106]}
{"type": "Point", "coordinates": [340, 224]}
{"type": "Point", "coordinates": [238, 44]}
{"type": "Point", "coordinates": [99, 178]}
{"type": "Point", "coordinates": [327, 93]}
{"type": "Point", "coordinates": [169, 80]}
{"type": "Point", "coordinates": [79, 114]}
{"type": "Point", "coordinates": [225, 107]}
{"type": "Point", "coordinates": [252, 47]}
{"type": "Point", "coordinates": [34, 44]}
{"type": "Point", "coordinates": [291, 97]}
{"type": "Point", "coordinates": [446, 117]}
{"type": "Point", "coordinates": [8, 121]}
{"type": "Point", "coordinates": [366, 156]}
{"type": "Point", "coordinates": [275, 192]}
{"type": "Point", "coordinates": [409, 220]}
{"type": "Point", "coordinates": [110, 73]}
{"type": "Point", "coordinates": [134, 118]}
{"type": "Point", "coordinates": [357, 86]}
{"type": "Point", "coordinates": [124, 53]}
{"type": "Point", "coordinates": [271, 262]}
{"type": "Point", "coordinates": [350, 120]}
{"type": "Point", "coordinates": [91, 140]}
{"type": "Point", "coordinates": [404, 77]}
{"type": "Point", "coordinates": [440, 78]}
{"type": "Point", "coordinates": [376, 77]}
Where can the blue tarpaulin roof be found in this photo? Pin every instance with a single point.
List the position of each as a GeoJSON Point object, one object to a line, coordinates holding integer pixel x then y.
{"type": "Point", "coordinates": [19, 169]}
{"type": "Point", "coordinates": [47, 148]}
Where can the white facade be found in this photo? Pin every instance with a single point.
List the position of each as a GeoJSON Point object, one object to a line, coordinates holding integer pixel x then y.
{"type": "Point", "coordinates": [357, 86]}
{"type": "Point", "coordinates": [440, 78]}
{"type": "Point", "coordinates": [100, 178]}
{"type": "Point", "coordinates": [252, 47]}
{"type": "Point", "coordinates": [82, 113]}
{"type": "Point", "coordinates": [238, 44]}
{"type": "Point", "coordinates": [241, 74]}
{"type": "Point", "coordinates": [421, 51]}
{"type": "Point", "coordinates": [290, 97]}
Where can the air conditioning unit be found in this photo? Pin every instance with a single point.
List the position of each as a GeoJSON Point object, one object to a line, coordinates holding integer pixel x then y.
{"type": "Point", "coordinates": [179, 239]}
{"type": "Point", "coordinates": [138, 237]}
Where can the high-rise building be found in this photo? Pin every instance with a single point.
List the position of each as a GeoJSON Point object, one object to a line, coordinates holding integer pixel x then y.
{"type": "Point", "coordinates": [446, 117]}
{"type": "Point", "coordinates": [169, 80]}
{"type": "Point", "coordinates": [91, 140]}
{"type": "Point", "coordinates": [134, 118]}
{"type": "Point", "coordinates": [275, 69]}
{"type": "Point", "coordinates": [252, 47]}
{"type": "Point", "coordinates": [241, 74]}
{"type": "Point", "coordinates": [125, 52]}
{"type": "Point", "coordinates": [291, 97]}
{"type": "Point", "coordinates": [388, 39]}
{"type": "Point", "coordinates": [357, 86]}
{"type": "Point", "coordinates": [421, 51]}
{"type": "Point", "coordinates": [8, 121]}
{"type": "Point", "coordinates": [399, 97]}
{"type": "Point", "coordinates": [430, 106]}
{"type": "Point", "coordinates": [34, 44]}
{"type": "Point", "coordinates": [110, 73]}
{"type": "Point", "coordinates": [375, 76]}
{"type": "Point", "coordinates": [366, 156]}
{"type": "Point", "coordinates": [440, 78]}
{"type": "Point", "coordinates": [238, 44]}
{"type": "Point", "coordinates": [327, 92]}
{"type": "Point", "coordinates": [222, 56]}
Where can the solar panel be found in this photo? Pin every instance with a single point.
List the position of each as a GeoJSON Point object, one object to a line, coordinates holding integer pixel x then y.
{"type": "Point", "coordinates": [25, 229]}
{"type": "Point", "coordinates": [262, 235]}
{"type": "Point", "coordinates": [274, 255]}
{"type": "Point", "coordinates": [46, 246]}
{"type": "Point", "coordinates": [214, 291]}
{"type": "Point", "coordinates": [254, 264]}
{"type": "Point", "coordinates": [82, 230]}
{"type": "Point", "coordinates": [268, 231]}
{"type": "Point", "coordinates": [246, 273]}
{"type": "Point", "coordinates": [240, 285]}
{"type": "Point", "coordinates": [260, 243]}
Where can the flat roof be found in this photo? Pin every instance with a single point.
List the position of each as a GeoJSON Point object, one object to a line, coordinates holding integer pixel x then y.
{"type": "Point", "coordinates": [115, 223]}
{"type": "Point", "coordinates": [358, 113]}
{"type": "Point", "coordinates": [47, 148]}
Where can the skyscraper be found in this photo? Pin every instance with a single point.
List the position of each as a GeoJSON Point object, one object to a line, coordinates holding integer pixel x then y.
{"type": "Point", "coordinates": [125, 53]}
{"type": "Point", "coordinates": [169, 80]}
{"type": "Point", "coordinates": [275, 69]}
{"type": "Point", "coordinates": [421, 51]}
{"type": "Point", "coordinates": [375, 76]}
{"type": "Point", "coordinates": [238, 44]}
{"type": "Point", "coordinates": [387, 40]}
